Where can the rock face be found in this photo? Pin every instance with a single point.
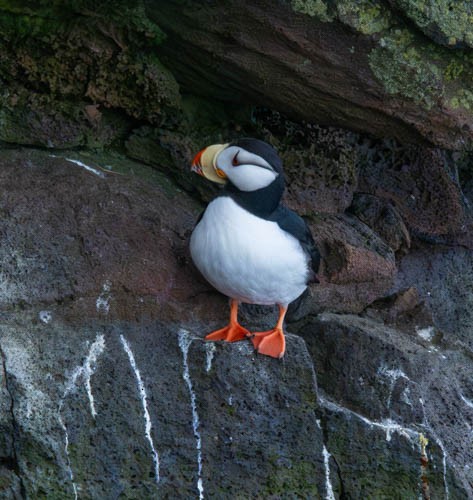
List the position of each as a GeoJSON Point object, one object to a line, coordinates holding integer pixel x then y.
{"type": "Point", "coordinates": [354, 64]}
{"type": "Point", "coordinates": [109, 390]}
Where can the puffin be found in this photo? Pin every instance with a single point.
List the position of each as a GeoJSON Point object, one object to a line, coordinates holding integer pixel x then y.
{"type": "Point", "coordinates": [247, 244]}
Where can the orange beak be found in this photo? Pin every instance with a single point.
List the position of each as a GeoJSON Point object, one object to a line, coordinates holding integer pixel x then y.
{"type": "Point", "coordinates": [196, 166]}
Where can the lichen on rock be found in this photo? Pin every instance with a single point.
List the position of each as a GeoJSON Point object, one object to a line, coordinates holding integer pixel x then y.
{"type": "Point", "coordinates": [367, 17]}
{"type": "Point", "coordinates": [430, 75]}
{"type": "Point", "coordinates": [444, 21]}
{"type": "Point", "coordinates": [313, 8]}
{"type": "Point", "coordinates": [400, 63]}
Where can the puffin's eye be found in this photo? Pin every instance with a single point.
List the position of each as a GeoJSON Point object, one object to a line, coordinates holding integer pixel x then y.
{"type": "Point", "coordinates": [235, 160]}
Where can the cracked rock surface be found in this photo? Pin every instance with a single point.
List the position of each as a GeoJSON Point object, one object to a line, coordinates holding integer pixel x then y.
{"type": "Point", "coordinates": [109, 391]}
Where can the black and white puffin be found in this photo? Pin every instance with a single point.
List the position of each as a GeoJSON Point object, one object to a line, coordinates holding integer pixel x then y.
{"type": "Point", "coordinates": [247, 244]}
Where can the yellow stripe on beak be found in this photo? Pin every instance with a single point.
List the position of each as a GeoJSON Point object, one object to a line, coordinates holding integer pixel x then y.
{"type": "Point", "coordinates": [205, 163]}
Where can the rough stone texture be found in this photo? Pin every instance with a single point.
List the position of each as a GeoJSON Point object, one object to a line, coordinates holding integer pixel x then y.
{"type": "Point", "coordinates": [383, 219]}
{"type": "Point", "coordinates": [383, 388]}
{"type": "Point", "coordinates": [106, 387]}
{"type": "Point", "coordinates": [448, 23]}
{"type": "Point", "coordinates": [60, 78]}
{"type": "Point", "coordinates": [446, 288]}
{"type": "Point", "coordinates": [62, 447]}
{"type": "Point", "coordinates": [382, 76]}
{"type": "Point", "coordinates": [423, 186]}
{"type": "Point", "coordinates": [320, 163]}
{"type": "Point", "coordinates": [102, 320]}
{"type": "Point", "coordinates": [85, 231]}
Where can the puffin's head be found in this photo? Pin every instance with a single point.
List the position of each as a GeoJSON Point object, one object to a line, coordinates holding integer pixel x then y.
{"type": "Point", "coordinates": [248, 164]}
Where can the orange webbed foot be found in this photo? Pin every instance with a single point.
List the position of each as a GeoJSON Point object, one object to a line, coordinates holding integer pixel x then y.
{"type": "Point", "coordinates": [230, 333]}
{"type": "Point", "coordinates": [271, 343]}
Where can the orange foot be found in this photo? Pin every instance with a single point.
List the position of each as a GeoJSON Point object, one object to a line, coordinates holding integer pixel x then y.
{"type": "Point", "coordinates": [271, 343]}
{"type": "Point", "coordinates": [231, 333]}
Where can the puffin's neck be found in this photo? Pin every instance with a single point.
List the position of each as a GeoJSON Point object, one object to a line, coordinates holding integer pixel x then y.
{"type": "Point", "coordinates": [262, 202]}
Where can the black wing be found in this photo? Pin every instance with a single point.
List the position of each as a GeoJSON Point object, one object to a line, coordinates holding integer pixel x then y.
{"type": "Point", "coordinates": [294, 224]}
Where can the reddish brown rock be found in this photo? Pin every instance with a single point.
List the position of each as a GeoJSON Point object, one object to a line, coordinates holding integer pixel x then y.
{"type": "Point", "coordinates": [357, 268]}
{"type": "Point", "coordinates": [381, 216]}
{"type": "Point", "coordinates": [93, 234]}
{"type": "Point", "coordinates": [423, 189]}
{"type": "Point", "coordinates": [296, 57]}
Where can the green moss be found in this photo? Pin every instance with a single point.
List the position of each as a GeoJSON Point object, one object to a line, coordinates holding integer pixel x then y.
{"type": "Point", "coordinates": [296, 479]}
{"type": "Point", "coordinates": [366, 16]}
{"type": "Point", "coordinates": [430, 75]}
{"type": "Point", "coordinates": [15, 27]}
{"type": "Point", "coordinates": [313, 8]}
{"type": "Point", "coordinates": [118, 13]}
{"type": "Point", "coordinates": [454, 70]}
{"type": "Point", "coordinates": [56, 55]}
{"type": "Point", "coordinates": [446, 21]}
{"type": "Point", "coordinates": [405, 68]}
{"type": "Point", "coordinates": [462, 99]}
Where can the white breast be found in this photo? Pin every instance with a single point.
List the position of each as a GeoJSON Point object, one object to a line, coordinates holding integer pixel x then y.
{"type": "Point", "coordinates": [248, 258]}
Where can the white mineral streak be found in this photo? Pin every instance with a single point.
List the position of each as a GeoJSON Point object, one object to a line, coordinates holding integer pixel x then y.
{"type": "Point", "coordinates": [66, 449]}
{"type": "Point", "coordinates": [94, 171]}
{"type": "Point", "coordinates": [468, 402]}
{"type": "Point", "coordinates": [440, 445]}
{"type": "Point", "coordinates": [387, 425]}
{"type": "Point", "coordinates": [328, 480]}
{"type": "Point", "coordinates": [405, 396]}
{"type": "Point", "coordinates": [184, 344]}
{"type": "Point", "coordinates": [144, 402]}
{"type": "Point", "coordinates": [209, 355]}
{"type": "Point", "coordinates": [393, 375]}
{"type": "Point", "coordinates": [102, 304]}
{"type": "Point", "coordinates": [85, 371]}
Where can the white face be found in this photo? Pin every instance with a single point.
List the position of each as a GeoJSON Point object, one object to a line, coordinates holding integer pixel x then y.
{"type": "Point", "coordinates": [247, 171]}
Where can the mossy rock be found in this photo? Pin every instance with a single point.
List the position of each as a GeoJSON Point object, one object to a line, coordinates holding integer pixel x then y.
{"type": "Point", "coordinates": [61, 60]}
{"type": "Point", "coordinates": [446, 22]}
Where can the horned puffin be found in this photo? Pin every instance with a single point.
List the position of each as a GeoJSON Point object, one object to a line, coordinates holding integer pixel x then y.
{"type": "Point", "coordinates": [247, 244]}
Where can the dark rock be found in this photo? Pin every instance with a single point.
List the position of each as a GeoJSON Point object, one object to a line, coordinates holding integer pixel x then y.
{"type": "Point", "coordinates": [82, 411]}
{"type": "Point", "coordinates": [383, 219]}
{"type": "Point", "coordinates": [444, 278]}
{"type": "Point", "coordinates": [171, 152]}
{"type": "Point", "coordinates": [88, 232]}
{"type": "Point", "coordinates": [320, 168]}
{"type": "Point", "coordinates": [381, 76]}
{"type": "Point", "coordinates": [380, 389]}
{"type": "Point", "coordinates": [107, 382]}
{"type": "Point", "coordinates": [407, 312]}
{"type": "Point", "coordinates": [420, 184]}
{"type": "Point", "coordinates": [53, 71]}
